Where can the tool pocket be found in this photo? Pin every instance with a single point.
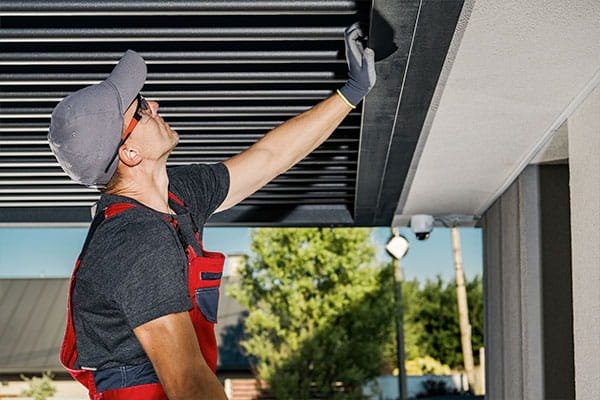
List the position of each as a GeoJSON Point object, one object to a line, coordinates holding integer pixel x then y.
{"type": "Point", "coordinates": [208, 302]}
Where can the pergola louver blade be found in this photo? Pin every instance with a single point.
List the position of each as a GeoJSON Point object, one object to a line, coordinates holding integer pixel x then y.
{"type": "Point", "coordinates": [222, 81]}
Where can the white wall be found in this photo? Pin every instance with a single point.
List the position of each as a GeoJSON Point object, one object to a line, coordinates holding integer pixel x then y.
{"type": "Point", "coordinates": [584, 161]}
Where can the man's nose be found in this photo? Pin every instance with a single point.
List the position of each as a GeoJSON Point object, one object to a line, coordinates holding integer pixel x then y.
{"type": "Point", "coordinates": [153, 105]}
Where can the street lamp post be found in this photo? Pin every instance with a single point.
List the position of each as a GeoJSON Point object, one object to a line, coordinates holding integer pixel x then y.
{"type": "Point", "coordinates": [397, 247]}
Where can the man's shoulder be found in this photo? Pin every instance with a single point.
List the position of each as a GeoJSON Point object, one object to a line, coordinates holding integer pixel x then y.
{"type": "Point", "coordinates": [133, 240]}
{"type": "Point", "coordinates": [118, 210]}
{"type": "Point", "coordinates": [131, 229]}
{"type": "Point", "coordinates": [202, 187]}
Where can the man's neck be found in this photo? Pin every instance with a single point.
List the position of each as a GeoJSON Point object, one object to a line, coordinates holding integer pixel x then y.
{"type": "Point", "coordinates": [149, 188]}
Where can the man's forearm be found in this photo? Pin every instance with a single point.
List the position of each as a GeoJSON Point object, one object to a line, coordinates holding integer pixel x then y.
{"type": "Point", "coordinates": [287, 144]}
{"type": "Point", "coordinates": [293, 140]}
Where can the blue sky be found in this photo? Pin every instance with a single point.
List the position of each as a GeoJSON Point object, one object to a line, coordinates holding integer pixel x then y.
{"type": "Point", "coordinates": [51, 252]}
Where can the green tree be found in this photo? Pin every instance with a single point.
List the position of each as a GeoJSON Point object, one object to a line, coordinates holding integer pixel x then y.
{"type": "Point", "coordinates": [433, 314]}
{"type": "Point", "coordinates": [40, 388]}
{"type": "Point", "coordinates": [475, 299]}
{"type": "Point", "coordinates": [320, 311]}
{"type": "Point", "coordinates": [410, 294]}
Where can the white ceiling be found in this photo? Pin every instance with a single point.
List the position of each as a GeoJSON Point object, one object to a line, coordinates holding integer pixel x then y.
{"type": "Point", "coordinates": [515, 71]}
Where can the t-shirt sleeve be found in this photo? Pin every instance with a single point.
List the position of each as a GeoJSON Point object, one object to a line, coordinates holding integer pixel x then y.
{"type": "Point", "coordinates": [203, 187]}
{"type": "Point", "coordinates": [153, 281]}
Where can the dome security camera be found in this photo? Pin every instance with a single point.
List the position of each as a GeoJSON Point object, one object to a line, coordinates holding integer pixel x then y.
{"type": "Point", "coordinates": [421, 225]}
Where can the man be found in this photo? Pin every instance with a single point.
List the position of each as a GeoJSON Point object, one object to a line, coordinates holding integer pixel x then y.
{"type": "Point", "coordinates": [144, 293]}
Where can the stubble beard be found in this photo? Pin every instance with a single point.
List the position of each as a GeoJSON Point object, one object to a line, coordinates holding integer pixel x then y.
{"type": "Point", "coordinates": [174, 142]}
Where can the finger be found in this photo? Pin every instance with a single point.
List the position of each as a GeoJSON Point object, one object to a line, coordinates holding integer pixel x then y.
{"type": "Point", "coordinates": [354, 48]}
{"type": "Point", "coordinates": [352, 27]}
{"type": "Point", "coordinates": [354, 33]}
{"type": "Point", "coordinates": [369, 62]}
{"type": "Point", "coordinates": [369, 55]}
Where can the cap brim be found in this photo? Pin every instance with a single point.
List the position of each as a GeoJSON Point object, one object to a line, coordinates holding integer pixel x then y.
{"type": "Point", "coordinates": [128, 77]}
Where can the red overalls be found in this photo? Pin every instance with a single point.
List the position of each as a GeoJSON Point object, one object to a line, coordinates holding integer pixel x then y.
{"type": "Point", "coordinates": [204, 278]}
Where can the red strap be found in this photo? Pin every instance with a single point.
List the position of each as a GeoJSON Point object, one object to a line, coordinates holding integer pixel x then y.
{"type": "Point", "coordinates": [150, 391]}
{"type": "Point", "coordinates": [176, 199]}
{"type": "Point", "coordinates": [117, 208]}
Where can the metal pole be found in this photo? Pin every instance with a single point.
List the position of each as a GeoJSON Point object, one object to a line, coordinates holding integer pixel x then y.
{"type": "Point", "coordinates": [399, 330]}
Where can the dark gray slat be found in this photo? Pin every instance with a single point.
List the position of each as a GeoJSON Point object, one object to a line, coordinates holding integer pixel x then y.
{"type": "Point", "coordinates": [27, 148]}
{"type": "Point", "coordinates": [47, 198]}
{"type": "Point", "coordinates": [35, 126]}
{"type": "Point", "coordinates": [184, 139]}
{"type": "Point", "coordinates": [7, 206]}
{"type": "Point", "coordinates": [283, 215]}
{"type": "Point", "coordinates": [42, 212]}
{"type": "Point", "coordinates": [341, 135]}
{"type": "Point", "coordinates": [206, 7]}
{"type": "Point", "coordinates": [187, 139]}
{"type": "Point", "coordinates": [20, 172]}
{"type": "Point", "coordinates": [97, 77]}
{"type": "Point", "coordinates": [298, 201]}
{"type": "Point", "coordinates": [4, 182]}
{"type": "Point", "coordinates": [78, 79]}
{"type": "Point", "coordinates": [38, 200]}
{"type": "Point", "coordinates": [37, 204]}
{"type": "Point", "coordinates": [280, 187]}
{"type": "Point", "coordinates": [33, 169]}
{"type": "Point", "coordinates": [281, 179]}
{"type": "Point", "coordinates": [12, 127]}
{"type": "Point", "coordinates": [177, 155]}
{"type": "Point", "coordinates": [93, 197]}
{"type": "Point", "coordinates": [324, 164]}
{"type": "Point", "coordinates": [174, 57]}
{"type": "Point", "coordinates": [180, 112]}
{"type": "Point", "coordinates": [279, 184]}
{"type": "Point", "coordinates": [8, 169]}
{"type": "Point", "coordinates": [294, 171]}
{"type": "Point", "coordinates": [21, 166]}
{"type": "Point", "coordinates": [256, 95]}
{"type": "Point", "coordinates": [240, 215]}
{"type": "Point", "coordinates": [80, 195]}
{"type": "Point", "coordinates": [36, 189]}
{"type": "Point", "coordinates": [218, 34]}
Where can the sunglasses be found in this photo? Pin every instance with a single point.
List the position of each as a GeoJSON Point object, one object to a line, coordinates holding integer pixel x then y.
{"type": "Point", "coordinates": [142, 105]}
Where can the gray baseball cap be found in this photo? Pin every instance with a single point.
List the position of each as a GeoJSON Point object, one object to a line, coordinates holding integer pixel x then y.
{"type": "Point", "coordinates": [86, 126]}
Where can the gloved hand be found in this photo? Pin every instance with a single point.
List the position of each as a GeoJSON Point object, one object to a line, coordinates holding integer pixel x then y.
{"type": "Point", "coordinates": [361, 67]}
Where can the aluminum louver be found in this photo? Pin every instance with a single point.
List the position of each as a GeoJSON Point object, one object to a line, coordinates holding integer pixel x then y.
{"type": "Point", "coordinates": [224, 72]}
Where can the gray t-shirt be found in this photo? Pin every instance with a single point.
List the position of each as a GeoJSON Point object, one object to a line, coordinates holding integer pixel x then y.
{"type": "Point", "coordinates": [134, 269]}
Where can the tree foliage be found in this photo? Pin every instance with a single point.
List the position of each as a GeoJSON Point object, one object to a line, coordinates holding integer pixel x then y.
{"type": "Point", "coordinates": [431, 320]}
{"type": "Point", "coordinates": [40, 388]}
{"type": "Point", "coordinates": [320, 311]}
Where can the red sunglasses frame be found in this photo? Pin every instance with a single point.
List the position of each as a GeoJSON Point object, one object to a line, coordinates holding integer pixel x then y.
{"type": "Point", "coordinates": [141, 105]}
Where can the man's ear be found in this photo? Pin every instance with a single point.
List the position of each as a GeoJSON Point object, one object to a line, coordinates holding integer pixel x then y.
{"type": "Point", "coordinates": [129, 156]}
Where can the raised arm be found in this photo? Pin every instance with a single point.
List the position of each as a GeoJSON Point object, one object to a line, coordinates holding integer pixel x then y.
{"type": "Point", "coordinates": [290, 142]}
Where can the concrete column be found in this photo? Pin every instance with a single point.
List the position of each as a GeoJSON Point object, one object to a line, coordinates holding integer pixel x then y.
{"type": "Point", "coordinates": [584, 161]}
{"type": "Point", "coordinates": [527, 304]}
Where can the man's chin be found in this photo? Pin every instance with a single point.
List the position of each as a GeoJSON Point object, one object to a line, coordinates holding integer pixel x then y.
{"type": "Point", "coordinates": [175, 138]}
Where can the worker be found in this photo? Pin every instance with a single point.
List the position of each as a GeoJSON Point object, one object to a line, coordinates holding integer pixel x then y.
{"type": "Point", "coordinates": [143, 295]}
